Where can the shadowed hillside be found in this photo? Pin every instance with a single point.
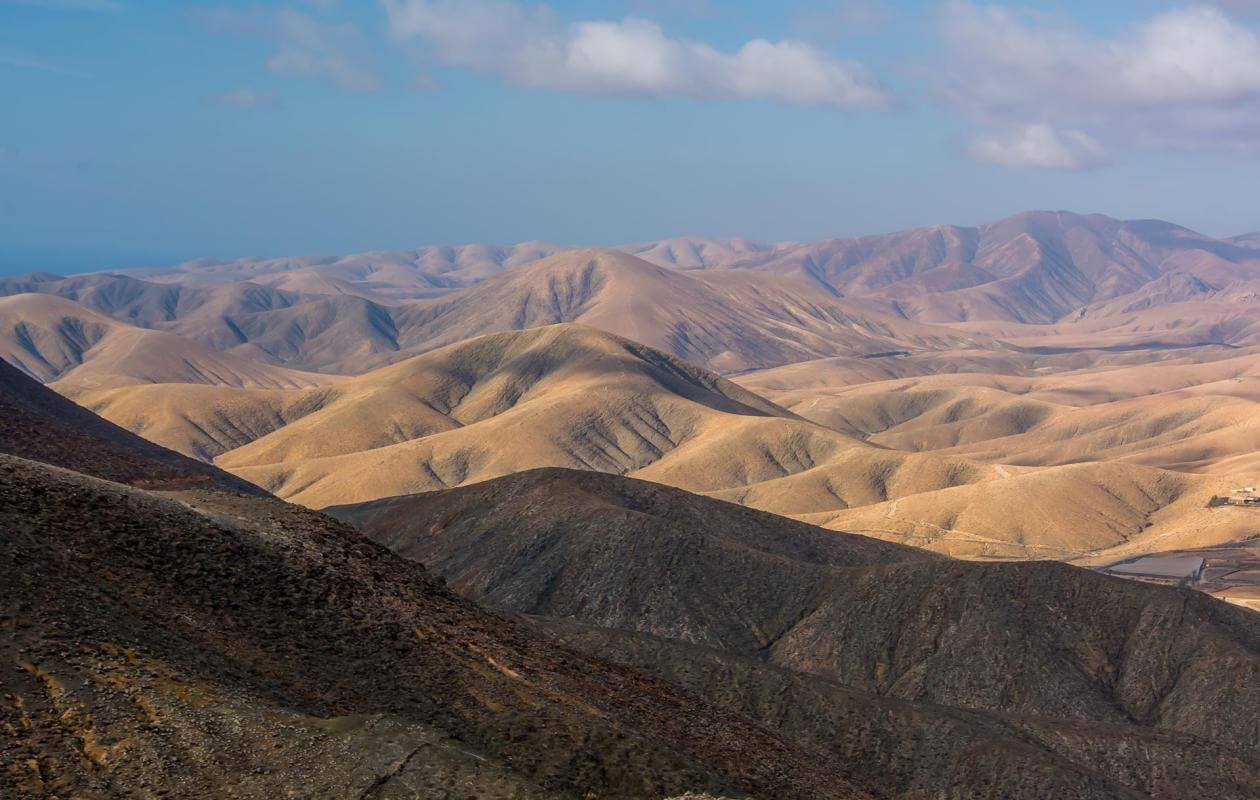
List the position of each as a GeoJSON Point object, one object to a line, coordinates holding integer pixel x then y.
{"type": "Point", "coordinates": [817, 633]}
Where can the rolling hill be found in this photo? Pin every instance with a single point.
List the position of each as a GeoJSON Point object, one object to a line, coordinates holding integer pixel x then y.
{"type": "Point", "coordinates": [725, 321]}
{"type": "Point", "coordinates": [550, 378]}
{"type": "Point", "coordinates": [563, 395]}
{"type": "Point", "coordinates": [574, 397]}
{"type": "Point", "coordinates": [1102, 385]}
{"type": "Point", "coordinates": [38, 424]}
{"type": "Point", "coordinates": [54, 339]}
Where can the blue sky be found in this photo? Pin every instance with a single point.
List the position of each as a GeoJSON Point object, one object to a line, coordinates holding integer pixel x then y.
{"type": "Point", "coordinates": [138, 132]}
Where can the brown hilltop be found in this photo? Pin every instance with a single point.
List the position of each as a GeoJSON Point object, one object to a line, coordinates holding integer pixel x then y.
{"type": "Point", "coordinates": [576, 397]}
{"type": "Point", "coordinates": [817, 637]}
{"type": "Point", "coordinates": [1086, 384]}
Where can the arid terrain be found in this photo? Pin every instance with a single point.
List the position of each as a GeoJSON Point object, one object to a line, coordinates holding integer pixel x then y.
{"type": "Point", "coordinates": [198, 638]}
{"type": "Point", "coordinates": [926, 514]}
{"type": "Point", "coordinates": [1051, 385]}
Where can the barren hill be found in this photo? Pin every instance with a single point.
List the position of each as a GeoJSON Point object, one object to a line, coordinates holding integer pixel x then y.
{"type": "Point", "coordinates": [209, 644]}
{"type": "Point", "coordinates": [320, 327]}
{"type": "Point", "coordinates": [698, 252]}
{"type": "Point", "coordinates": [562, 395]}
{"type": "Point", "coordinates": [201, 311]}
{"type": "Point", "coordinates": [725, 321]}
{"type": "Point", "coordinates": [1035, 661]}
{"type": "Point", "coordinates": [1035, 267]}
{"type": "Point", "coordinates": [622, 553]}
{"type": "Point", "coordinates": [1093, 351]}
{"type": "Point", "coordinates": [555, 378]}
{"type": "Point", "coordinates": [1066, 447]}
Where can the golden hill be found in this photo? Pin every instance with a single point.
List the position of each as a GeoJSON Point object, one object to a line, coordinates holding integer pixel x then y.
{"type": "Point", "coordinates": [1192, 415]}
{"type": "Point", "coordinates": [560, 395]}
{"type": "Point", "coordinates": [575, 397]}
{"type": "Point", "coordinates": [1121, 453]}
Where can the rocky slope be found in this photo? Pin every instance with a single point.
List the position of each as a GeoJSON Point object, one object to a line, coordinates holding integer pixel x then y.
{"type": "Point", "coordinates": [1104, 678]}
{"type": "Point", "coordinates": [37, 423]}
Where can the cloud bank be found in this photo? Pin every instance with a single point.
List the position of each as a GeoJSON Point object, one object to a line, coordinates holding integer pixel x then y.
{"type": "Point", "coordinates": [531, 47]}
{"type": "Point", "coordinates": [1186, 79]}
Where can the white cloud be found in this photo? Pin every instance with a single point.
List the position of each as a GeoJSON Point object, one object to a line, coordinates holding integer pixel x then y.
{"type": "Point", "coordinates": [1183, 79]}
{"type": "Point", "coordinates": [304, 46]}
{"type": "Point", "coordinates": [244, 97]}
{"type": "Point", "coordinates": [1039, 145]}
{"type": "Point", "coordinates": [530, 46]}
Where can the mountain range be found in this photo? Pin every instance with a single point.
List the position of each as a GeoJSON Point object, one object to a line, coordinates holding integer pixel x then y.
{"type": "Point", "coordinates": [1098, 376]}
{"type": "Point", "coordinates": [937, 513]}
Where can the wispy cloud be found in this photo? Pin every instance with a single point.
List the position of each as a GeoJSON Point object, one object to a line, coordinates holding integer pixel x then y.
{"type": "Point", "coordinates": [22, 62]}
{"type": "Point", "coordinates": [304, 45]}
{"type": "Point", "coordinates": [531, 46]}
{"type": "Point", "coordinates": [244, 97]}
{"type": "Point", "coordinates": [1184, 79]}
{"type": "Point", "coordinates": [1039, 145]}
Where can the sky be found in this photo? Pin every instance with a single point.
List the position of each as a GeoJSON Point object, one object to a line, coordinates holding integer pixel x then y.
{"type": "Point", "coordinates": [146, 132]}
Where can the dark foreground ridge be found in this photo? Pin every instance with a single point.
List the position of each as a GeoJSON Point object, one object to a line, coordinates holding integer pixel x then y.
{"type": "Point", "coordinates": [928, 677]}
{"type": "Point", "coordinates": [38, 424]}
{"type": "Point", "coordinates": [208, 644]}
